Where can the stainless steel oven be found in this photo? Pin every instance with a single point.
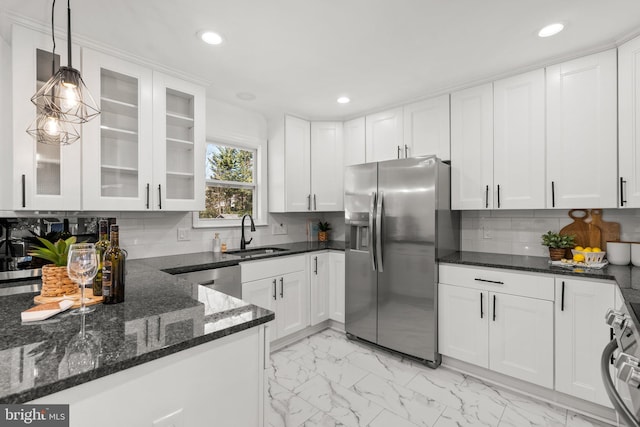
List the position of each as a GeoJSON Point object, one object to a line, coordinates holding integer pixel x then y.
{"type": "Point", "coordinates": [623, 388]}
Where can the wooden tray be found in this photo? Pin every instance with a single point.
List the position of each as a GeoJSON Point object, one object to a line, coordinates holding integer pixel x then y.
{"type": "Point", "coordinates": [586, 234]}
{"type": "Point", "coordinates": [88, 295]}
{"type": "Point", "coordinates": [610, 230]}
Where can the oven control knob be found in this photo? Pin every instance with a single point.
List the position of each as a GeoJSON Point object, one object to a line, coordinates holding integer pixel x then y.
{"type": "Point", "coordinates": [625, 358]}
{"type": "Point", "coordinates": [630, 374]}
{"type": "Point", "coordinates": [615, 319]}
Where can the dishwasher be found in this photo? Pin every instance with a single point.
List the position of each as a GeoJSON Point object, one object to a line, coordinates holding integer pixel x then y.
{"type": "Point", "coordinates": [224, 279]}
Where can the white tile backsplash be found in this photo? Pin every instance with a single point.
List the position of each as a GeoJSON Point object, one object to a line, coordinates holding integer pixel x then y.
{"type": "Point", "coordinates": [519, 232]}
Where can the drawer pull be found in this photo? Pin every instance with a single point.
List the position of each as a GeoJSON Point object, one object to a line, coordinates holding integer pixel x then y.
{"type": "Point", "coordinates": [274, 290]}
{"type": "Point", "coordinates": [489, 281]}
{"type": "Point", "coordinates": [481, 306]}
{"type": "Point", "coordinates": [494, 308]}
{"type": "Point", "coordinates": [562, 298]}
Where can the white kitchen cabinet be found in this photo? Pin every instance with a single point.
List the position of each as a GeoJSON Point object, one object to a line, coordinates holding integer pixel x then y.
{"type": "Point", "coordinates": [629, 123]}
{"type": "Point", "coordinates": [354, 141]}
{"type": "Point", "coordinates": [45, 177]}
{"type": "Point", "coordinates": [384, 140]}
{"type": "Point", "coordinates": [472, 148]}
{"type": "Point", "coordinates": [582, 132]}
{"type": "Point", "coordinates": [580, 336]}
{"type": "Point", "coordinates": [117, 174]}
{"type": "Point", "coordinates": [179, 144]}
{"type": "Point", "coordinates": [319, 277]}
{"type": "Point", "coordinates": [427, 128]}
{"type": "Point", "coordinates": [327, 169]}
{"type": "Point", "coordinates": [521, 338]}
{"type": "Point", "coordinates": [463, 326]}
{"type": "Point", "coordinates": [282, 286]}
{"type": "Point", "coordinates": [519, 141]}
{"type": "Point", "coordinates": [336, 286]}
{"type": "Point", "coordinates": [497, 319]}
{"type": "Point", "coordinates": [306, 166]}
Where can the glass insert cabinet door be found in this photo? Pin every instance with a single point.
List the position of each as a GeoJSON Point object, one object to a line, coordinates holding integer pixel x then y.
{"type": "Point", "coordinates": [118, 145]}
{"type": "Point", "coordinates": [179, 129]}
{"type": "Point", "coordinates": [45, 177]}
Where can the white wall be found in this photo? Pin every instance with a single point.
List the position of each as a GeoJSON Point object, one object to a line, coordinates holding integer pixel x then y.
{"type": "Point", "coordinates": [6, 115]}
{"type": "Point", "coordinates": [518, 232]}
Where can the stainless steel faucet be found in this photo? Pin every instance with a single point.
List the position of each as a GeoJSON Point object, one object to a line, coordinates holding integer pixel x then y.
{"type": "Point", "coordinates": [244, 243]}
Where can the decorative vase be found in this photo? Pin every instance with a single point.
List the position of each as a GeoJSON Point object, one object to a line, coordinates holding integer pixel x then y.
{"type": "Point", "coordinates": [323, 236]}
{"type": "Point", "coordinates": [56, 282]}
{"type": "Point", "coordinates": [556, 254]}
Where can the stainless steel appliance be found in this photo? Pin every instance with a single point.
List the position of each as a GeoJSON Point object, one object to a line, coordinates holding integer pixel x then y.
{"type": "Point", "coordinates": [624, 353]}
{"type": "Point", "coordinates": [398, 222]}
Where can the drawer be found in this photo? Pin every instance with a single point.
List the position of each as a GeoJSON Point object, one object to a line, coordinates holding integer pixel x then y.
{"type": "Point", "coordinates": [532, 285]}
{"type": "Point", "coordinates": [256, 270]}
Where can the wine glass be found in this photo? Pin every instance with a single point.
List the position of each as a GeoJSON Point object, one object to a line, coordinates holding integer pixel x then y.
{"type": "Point", "coordinates": [82, 266]}
{"type": "Point", "coordinates": [82, 351]}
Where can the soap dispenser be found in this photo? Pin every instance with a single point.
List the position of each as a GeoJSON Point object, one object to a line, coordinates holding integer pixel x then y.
{"type": "Point", "coordinates": [216, 243]}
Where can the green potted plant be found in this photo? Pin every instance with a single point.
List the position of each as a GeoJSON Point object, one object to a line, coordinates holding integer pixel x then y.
{"type": "Point", "coordinates": [55, 280]}
{"type": "Point", "coordinates": [323, 231]}
{"type": "Point", "coordinates": [558, 244]}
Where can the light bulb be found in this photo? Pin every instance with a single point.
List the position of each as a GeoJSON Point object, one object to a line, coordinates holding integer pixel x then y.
{"type": "Point", "coordinates": [69, 97]}
{"type": "Point", "coordinates": [52, 127]}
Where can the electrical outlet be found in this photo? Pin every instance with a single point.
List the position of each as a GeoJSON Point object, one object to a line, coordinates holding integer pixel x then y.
{"type": "Point", "coordinates": [174, 419]}
{"type": "Point", "coordinates": [278, 228]}
{"type": "Point", "coordinates": [487, 233]}
{"type": "Point", "coordinates": [183, 234]}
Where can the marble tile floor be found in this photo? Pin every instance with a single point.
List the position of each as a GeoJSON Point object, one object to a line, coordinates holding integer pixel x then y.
{"type": "Point", "coordinates": [327, 380]}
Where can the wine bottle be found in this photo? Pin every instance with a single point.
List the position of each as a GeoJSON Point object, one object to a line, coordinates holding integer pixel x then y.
{"type": "Point", "coordinates": [101, 247]}
{"type": "Point", "coordinates": [113, 269]}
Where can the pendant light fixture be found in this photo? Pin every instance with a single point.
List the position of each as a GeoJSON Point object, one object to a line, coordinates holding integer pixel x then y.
{"type": "Point", "coordinates": [63, 100]}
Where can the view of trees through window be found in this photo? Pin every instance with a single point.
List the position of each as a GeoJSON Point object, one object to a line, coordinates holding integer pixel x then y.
{"type": "Point", "coordinates": [230, 182]}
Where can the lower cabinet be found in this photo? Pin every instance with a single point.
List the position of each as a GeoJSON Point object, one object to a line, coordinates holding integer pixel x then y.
{"type": "Point", "coordinates": [319, 277]}
{"type": "Point", "coordinates": [581, 334]}
{"type": "Point", "coordinates": [336, 286]}
{"type": "Point", "coordinates": [280, 285]}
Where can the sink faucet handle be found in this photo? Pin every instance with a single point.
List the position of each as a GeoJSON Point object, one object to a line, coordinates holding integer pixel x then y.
{"type": "Point", "coordinates": [248, 241]}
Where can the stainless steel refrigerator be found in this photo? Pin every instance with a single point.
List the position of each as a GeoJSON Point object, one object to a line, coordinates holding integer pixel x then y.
{"type": "Point", "coordinates": [398, 222]}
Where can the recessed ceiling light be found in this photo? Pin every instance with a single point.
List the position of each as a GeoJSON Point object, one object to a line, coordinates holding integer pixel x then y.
{"type": "Point", "coordinates": [551, 30]}
{"type": "Point", "coordinates": [343, 100]}
{"type": "Point", "coordinates": [246, 96]}
{"type": "Point", "coordinates": [210, 37]}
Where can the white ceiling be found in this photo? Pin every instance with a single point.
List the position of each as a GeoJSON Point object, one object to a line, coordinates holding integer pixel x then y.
{"type": "Point", "coordinates": [298, 56]}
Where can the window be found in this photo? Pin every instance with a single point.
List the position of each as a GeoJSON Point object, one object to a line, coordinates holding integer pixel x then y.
{"type": "Point", "coordinates": [232, 184]}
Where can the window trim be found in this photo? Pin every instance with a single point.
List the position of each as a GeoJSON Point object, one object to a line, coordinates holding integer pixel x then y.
{"type": "Point", "coordinates": [260, 181]}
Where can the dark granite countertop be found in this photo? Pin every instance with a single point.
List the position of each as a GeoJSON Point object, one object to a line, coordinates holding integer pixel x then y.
{"type": "Point", "coordinates": [626, 277]}
{"type": "Point", "coordinates": [176, 264]}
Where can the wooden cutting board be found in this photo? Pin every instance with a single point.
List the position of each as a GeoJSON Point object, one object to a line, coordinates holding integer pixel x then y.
{"type": "Point", "coordinates": [610, 230]}
{"type": "Point", "coordinates": [88, 295]}
{"type": "Point", "coordinates": [584, 233]}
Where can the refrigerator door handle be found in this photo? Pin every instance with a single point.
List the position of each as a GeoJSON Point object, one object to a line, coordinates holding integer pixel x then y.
{"type": "Point", "coordinates": [371, 243]}
{"type": "Point", "coordinates": [379, 248]}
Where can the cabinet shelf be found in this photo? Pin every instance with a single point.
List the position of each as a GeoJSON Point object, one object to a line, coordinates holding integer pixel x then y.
{"type": "Point", "coordinates": [49, 161]}
{"type": "Point", "coordinates": [179, 120]}
{"type": "Point", "coordinates": [115, 133]}
{"type": "Point", "coordinates": [180, 141]}
{"type": "Point", "coordinates": [119, 107]}
{"type": "Point", "coordinates": [119, 168]}
{"type": "Point", "coordinates": [180, 174]}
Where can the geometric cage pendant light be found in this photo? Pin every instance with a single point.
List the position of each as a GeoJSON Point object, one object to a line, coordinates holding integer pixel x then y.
{"type": "Point", "coordinates": [63, 101]}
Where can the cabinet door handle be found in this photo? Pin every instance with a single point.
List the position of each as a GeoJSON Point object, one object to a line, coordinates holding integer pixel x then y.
{"type": "Point", "coordinates": [316, 268]}
{"type": "Point", "coordinates": [24, 191]}
{"type": "Point", "coordinates": [281, 287]}
{"type": "Point", "coordinates": [146, 332]}
{"type": "Point", "coordinates": [494, 308]}
{"type": "Point", "coordinates": [562, 298]}
{"type": "Point", "coordinates": [489, 281]}
{"type": "Point", "coordinates": [275, 295]}
{"type": "Point", "coordinates": [148, 195]}
{"type": "Point", "coordinates": [315, 205]}
{"type": "Point", "coordinates": [486, 197]}
{"type": "Point", "coordinates": [622, 200]}
{"type": "Point", "coordinates": [159, 196]}
{"type": "Point", "coordinates": [309, 202]}
{"type": "Point", "coordinates": [159, 330]}
{"type": "Point", "coordinates": [406, 149]}
{"type": "Point", "coordinates": [398, 151]}
{"type": "Point", "coordinates": [611, 338]}
{"type": "Point", "coordinates": [553, 194]}
{"type": "Point", "coordinates": [498, 196]}
{"type": "Point", "coordinates": [481, 305]}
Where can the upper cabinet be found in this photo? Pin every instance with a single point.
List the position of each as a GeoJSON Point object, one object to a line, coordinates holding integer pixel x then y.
{"type": "Point", "coordinates": [427, 128]}
{"type": "Point", "coordinates": [179, 144]}
{"type": "Point", "coordinates": [118, 143]}
{"type": "Point", "coordinates": [581, 132]}
{"type": "Point", "coordinates": [45, 177]}
{"type": "Point", "coordinates": [384, 136]}
{"type": "Point", "coordinates": [354, 142]}
{"type": "Point", "coordinates": [519, 142]}
{"type": "Point", "coordinates": [472, 148]}
{"type": "Point", "coordinates": [305, 166]}
{"type": "Point", "coordinates": [629, 124]}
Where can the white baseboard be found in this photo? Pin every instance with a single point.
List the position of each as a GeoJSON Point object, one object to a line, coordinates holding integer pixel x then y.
{"type": "Point", "coordinates": [308, 331]}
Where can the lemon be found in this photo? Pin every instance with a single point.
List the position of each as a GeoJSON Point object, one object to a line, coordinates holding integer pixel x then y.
{"type": "Point", "coordinates": [579, 248]}
{"type": "Point", "coordinates": [596, 249]}
{"type": "Point", "coordinates": [578, 258]}
{"type": "Point", "coordinates": [587, 249]}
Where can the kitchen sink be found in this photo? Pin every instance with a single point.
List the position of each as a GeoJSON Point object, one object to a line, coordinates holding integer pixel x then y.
{"type": "Point", "coordinates": [248, 253]}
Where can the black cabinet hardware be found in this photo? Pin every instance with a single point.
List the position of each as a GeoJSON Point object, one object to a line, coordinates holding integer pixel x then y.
{"type": "Point", "coordinates": [315, 205]}
{"type": "Point", "coordinates": [147, 195]}
{"type": "Point", "coordinates": [486, 197]}
{"type": "Point", "coordinates": [159, 329]}
{"type": "Point", "coordinates": [398, 151]}
{"type": "Point", "coordinates": [406, 149]}
{"type": "Point", "coordinates": [622, 200]}
{"type": "Point", "coordinates": [275, 295]}
{"type": "Point", "coordinates": [553, 194]}
{"type": "Point", "coordinates": [481, 305]}
{"type": "Point", "coordinates": [562, 298]}
{"type": "Point", "coordinates": [498, 195]}
{"type": "Point", "coordinates": [316, 268]}
{"type": "Point", "coordinates": [159, 196]}
{"type": "Point", "coordinates": [494, 308]}
{"type": "Point", "coordinates": [281, 287]}
{"type": "Point", "coordinates": [309, 202]}
{"type": "Point", "coordinates": [24, 191]}
{"type": "Point", "coordinates": [489, 281]}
